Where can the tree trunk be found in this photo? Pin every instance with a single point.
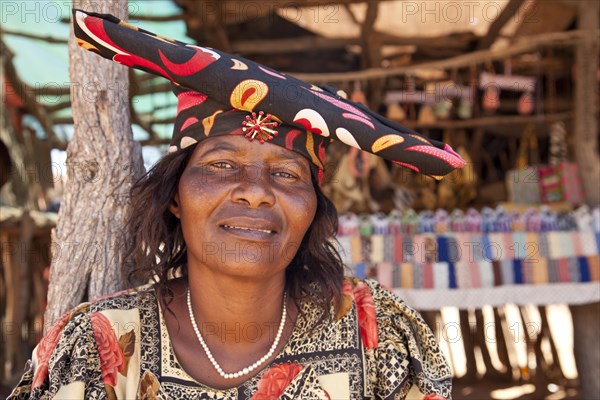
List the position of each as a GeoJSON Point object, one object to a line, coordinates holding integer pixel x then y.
{"type": "Point", "coordinates": [586, 328]}
{"type": "Point", "coordinates": [102, 162]}
{"type": "Point", "coordinates": [586, 100]}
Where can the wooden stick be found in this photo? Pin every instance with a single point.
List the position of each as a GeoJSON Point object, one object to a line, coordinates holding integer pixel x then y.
{"type": "Point", "coordinates": [496, 26]}
{"type": "Point", "coordinates": [47, 39]}
{"type": "Point", "coordinates": [533, 42]}
{"type": "Point", "coordinates": [458, 42]}
{"type": "Point", "coordinates": [493, 121]}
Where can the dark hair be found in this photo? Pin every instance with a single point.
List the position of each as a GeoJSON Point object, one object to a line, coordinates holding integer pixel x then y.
{"type": "Point", "coordinates": [158, 250]}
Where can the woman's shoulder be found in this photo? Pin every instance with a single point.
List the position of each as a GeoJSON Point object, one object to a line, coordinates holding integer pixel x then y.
{"type": "Point", "coordinates": [86, 347]}
{"type": "Point", "coordinates": [402, 342]}
{"type": "Point", "coordinates": [381, 307]}
{"type": "Point", "coordinates": [124, 302]}
{"type": "Point", "coordinates": [127, 299]}
{"type": "Point", "coordinates": [385, 301]}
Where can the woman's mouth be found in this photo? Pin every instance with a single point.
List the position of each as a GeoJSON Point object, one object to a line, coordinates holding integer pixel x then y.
{"type": "Point", "coordinates": [247, 229]}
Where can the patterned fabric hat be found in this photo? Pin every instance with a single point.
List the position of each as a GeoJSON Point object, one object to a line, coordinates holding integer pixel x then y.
{"type": "Point", "coordinates": [221, 94]}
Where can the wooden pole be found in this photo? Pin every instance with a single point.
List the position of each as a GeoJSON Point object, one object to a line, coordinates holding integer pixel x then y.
{"type": "Point", "coordinates": [102, 160]}
{"type": "Point", "coordinates": [586, 99]}
{"type": "Point", "coordinates": [586, 318]}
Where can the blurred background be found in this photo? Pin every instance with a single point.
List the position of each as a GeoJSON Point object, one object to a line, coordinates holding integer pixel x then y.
{"type": "Point", "coordinates": [501, 257]}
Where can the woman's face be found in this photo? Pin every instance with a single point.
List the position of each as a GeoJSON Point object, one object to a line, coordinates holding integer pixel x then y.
{"type": "Point", "coordinates": [244, 207]}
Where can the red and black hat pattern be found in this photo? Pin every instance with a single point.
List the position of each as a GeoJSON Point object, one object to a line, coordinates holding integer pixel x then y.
{"type": "Point", "coordinates": [220, 94]}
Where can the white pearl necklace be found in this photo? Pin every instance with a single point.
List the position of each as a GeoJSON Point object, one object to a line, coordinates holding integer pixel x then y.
{"type": "Point", "coordinates": [250, 368]}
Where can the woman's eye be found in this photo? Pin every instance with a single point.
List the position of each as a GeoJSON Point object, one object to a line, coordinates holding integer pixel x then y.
{"type": "Point", "coordinates": [285, 175]}
{"type": "Point", "coordinates": [221, 165]}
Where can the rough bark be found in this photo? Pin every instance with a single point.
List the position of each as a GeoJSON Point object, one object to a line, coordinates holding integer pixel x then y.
{"type": "Point", "coordinates": [586, 99]}
{"type": "Point", "coordinates": [586, 327]}
{"type": "Point", "coordinates": [102, 162]}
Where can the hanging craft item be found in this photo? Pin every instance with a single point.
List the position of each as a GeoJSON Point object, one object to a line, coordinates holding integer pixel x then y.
{"type": "Point", "coordinates": [558, 143]}
{"type": "Point", "coordinates": [570, 181]}
{"type": "Point", "coordinates": [457, 221]}
{"type": "Point", "coordinates": [526, 103]}
{"type": "Point", "coordinates": [442, 109]}
{"type": "Point", "coordinates": [491, 98]}
{"type": "Point", "coordinates": [492, 84]}
{"type": "Point", "coordinates": [523, 182]}
{"type": "Point", "coordinates": [357, 95]}
{"type": "Point", "coordinates": [473, 220]}
{"type": "Point", "coordinates": [465, 109]}
{"type": "Point", "coordinates": [426, 115]}
{"type": "Point", "coordinates": [395, 112]}
{"type": "Point", "coordinates": [550, 185]}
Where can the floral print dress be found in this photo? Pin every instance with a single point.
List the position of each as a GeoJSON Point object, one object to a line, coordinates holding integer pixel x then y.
{"type": "Point", "coordinates": [376, 347]}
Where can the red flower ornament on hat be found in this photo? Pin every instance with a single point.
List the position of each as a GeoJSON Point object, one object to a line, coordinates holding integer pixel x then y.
{"type": "Point", "coordinates": [259, 126]}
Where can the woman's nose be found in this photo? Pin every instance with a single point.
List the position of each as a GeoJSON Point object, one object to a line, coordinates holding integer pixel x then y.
{"type": "Point", "coordinates": [255, 187]}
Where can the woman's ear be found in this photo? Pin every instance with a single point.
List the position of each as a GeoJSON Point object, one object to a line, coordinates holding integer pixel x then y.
{"type": "Point", "coordinates": [174, 206]}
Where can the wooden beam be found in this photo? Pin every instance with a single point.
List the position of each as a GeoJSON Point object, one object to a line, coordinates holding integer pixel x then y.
{"type": "Point", "coordinates": [477, 57]}
{"type": "Point", "coordinates": [458, 42]}
{"type": "Point", "coordinates": [371, 54]}
{"type": "Point", "coordinates": [493, 121]}
{"type": "Point", "coordinates": [291, 45]}
{"type": "Point", "coordinates": [495, 27]}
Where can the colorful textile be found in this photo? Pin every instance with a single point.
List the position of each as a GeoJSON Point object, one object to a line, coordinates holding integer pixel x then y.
{"type": "Point", "coordinates": [540, 270]}
{"type": "Point", "coordinates": [508, 273]}
{"type": "Point", "coordinates": [570, 180]}
{"type": "Point", "coordinates": [388, 248]}
{"type": "Point", "coordinates": [120, 348]}
{"type": "Point", "coordinates": [594, 267]}
{"type": "Point", "coordinates": [452, 283]}
{"type": "Point", "coordinates": [497, 273]}
{"type": "Point", "coordinates": [474, 274]}
{"type": "Point", "coordinates": [398, 248]}
{"type": "Point", "coordinates": [427, 275]}
{"type": "Point", "coordinates": [486, 273]}
{"type": "Point", "coordinates": [502, 258]}
{"type": "Point", "coordinates": [518, 271]}
{"type": "Point", "coordinates": [360, 270]}
{"type": "Point", "coordinates": [588, 243]}
{"type": "Point", "coordinates": [385, 275]}
{"type": "Point", "coordinates": [377, 252]}
{"type": "Point", "coordinates": [563, 269]}
{"type": "Point", "coordinates": [356, 249]}
{"type": "Point", "coordinates": [553, 271]}
{"type": "Point", "coordinates": [523, 185]}
{"type": "Point", "coordinates": [584, 269]}
{"type": "Point", "coordinates": [221, 94]}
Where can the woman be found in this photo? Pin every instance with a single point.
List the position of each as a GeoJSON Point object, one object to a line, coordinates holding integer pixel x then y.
{"type": "Point", "coordinates": [249, 299]}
